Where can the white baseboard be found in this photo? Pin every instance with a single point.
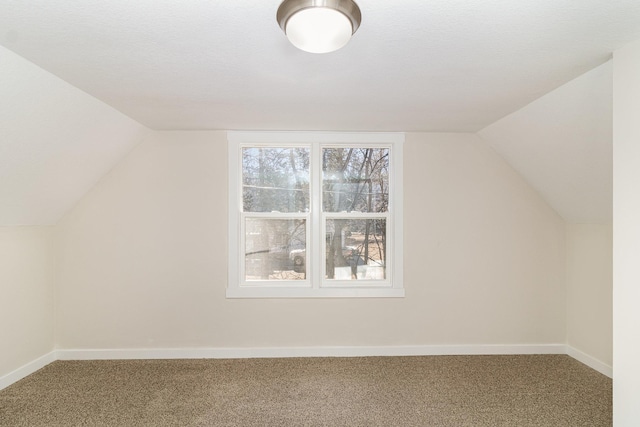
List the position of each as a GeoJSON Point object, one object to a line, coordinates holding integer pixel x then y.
{"type": "Point", "coordinates": [28, 369]}
{"type": "Point", "coordinates": [591, 362]}
{"type": "Point", "coordinates": [281, 352]}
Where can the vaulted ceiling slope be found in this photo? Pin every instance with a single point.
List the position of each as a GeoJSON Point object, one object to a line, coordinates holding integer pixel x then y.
{"type": "Point", "coordinates": [562, 145]}
{"type": "Point", "coordinates": [111, 70]}
{"type": "Point", "coordinates": [413, 65]}
{"type": "Point", "coordinates": [56, 142]}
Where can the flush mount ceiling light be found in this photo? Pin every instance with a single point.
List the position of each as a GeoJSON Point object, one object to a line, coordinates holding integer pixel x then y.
{"type": "Point", "coordinates": [319, 26]}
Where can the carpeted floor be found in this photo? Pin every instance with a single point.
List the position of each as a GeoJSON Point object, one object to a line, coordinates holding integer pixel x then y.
{"type": "Point", "coordinates": [539, 390]}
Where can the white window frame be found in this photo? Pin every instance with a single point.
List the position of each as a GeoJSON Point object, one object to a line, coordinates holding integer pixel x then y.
{"type": "Point", "coordinates": [315, 286]}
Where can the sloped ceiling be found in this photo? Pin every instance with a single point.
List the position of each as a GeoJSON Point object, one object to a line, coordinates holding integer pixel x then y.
{"type": "Point", "coordinates": [105, 72]}
{"type": "Point", "coordinates": [56, 142]}
{"type": "Point", "coordinates": [562, 144]}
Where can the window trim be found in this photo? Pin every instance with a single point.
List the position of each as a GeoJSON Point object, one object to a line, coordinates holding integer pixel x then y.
{"type": "Point", "coordinates": [392, 287]}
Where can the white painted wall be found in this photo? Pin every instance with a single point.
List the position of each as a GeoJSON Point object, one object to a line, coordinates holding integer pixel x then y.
{"type": "Point", "coordinates": [142, 259]}
{"type": "Point", "coordinates": [626, 236]}
{"type": "Point", "coordinates": [589, 290]}
{"type": "Point", "coordinates": [562, 144]}
{"type": "Point", "coordinates": [26, 296]}
{"type": "Point", "coordinates": [56, 142]}
{"type": "Point", "coordinates": [484, 254]}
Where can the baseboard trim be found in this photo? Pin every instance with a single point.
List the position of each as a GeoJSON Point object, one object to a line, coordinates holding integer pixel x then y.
{"type": "Point", "coordinates": [283, 352]}
{"type": "Point", "coordinates": [28, 369]}
{"type": "Point", "coordinates": [590, 361]}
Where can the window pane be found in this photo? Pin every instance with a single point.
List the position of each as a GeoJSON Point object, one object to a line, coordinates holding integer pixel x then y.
{"type": "Point", "coordinates": [356, 249]}
{"type": "Point", "coordinates": [275, 249]}
{"type": "Point", "coordinates": [275, 179]}
{"type": "Point", "coordinates": [355, 179]}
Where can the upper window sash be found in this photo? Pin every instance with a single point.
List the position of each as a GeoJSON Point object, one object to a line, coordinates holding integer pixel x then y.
{"type": "Point", "coordinates": [356, 177]}
{"type": "Point", "coordinates": [276, 179]}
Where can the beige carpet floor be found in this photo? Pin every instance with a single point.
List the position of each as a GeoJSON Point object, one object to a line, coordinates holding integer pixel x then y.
{"type": "Point", "coordinates": [538, 390]}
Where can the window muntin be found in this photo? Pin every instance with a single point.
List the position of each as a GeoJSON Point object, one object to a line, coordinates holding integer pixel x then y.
{"type": "Point", "coordinates": [315, 214]}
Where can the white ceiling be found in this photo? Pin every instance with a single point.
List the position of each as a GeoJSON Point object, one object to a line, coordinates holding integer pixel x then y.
{"type": "Point", "coordinates": [414, 65]}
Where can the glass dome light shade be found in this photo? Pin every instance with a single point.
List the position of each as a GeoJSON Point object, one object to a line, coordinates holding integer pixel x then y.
{"type": "Point", "coordinates": [319, 30]}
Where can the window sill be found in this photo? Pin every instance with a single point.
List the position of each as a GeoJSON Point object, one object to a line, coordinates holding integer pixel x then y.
{"type": "Point", "coordinates": [270, 292]}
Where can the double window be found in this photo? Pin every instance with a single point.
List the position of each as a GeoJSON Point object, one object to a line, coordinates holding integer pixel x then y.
{"type": "Point", "coordinates": [315, 214]}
